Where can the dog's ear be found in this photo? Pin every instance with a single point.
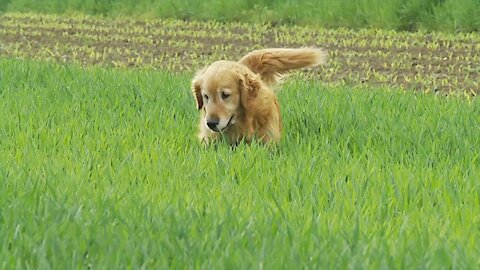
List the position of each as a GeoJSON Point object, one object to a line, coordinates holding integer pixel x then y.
{"type": "Point", "coordinates": [249, 85]}
{"type": "Point", "coordinates": [196, 90]}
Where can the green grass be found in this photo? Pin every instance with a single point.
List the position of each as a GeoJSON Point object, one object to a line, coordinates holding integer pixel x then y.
{"type": "Point", "coordinates": [447, 15]}
{"type": "Point", "coordinates": [101, 168]}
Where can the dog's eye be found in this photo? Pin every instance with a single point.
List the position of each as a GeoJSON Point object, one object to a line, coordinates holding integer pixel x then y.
{"type": "Point", "coordinates": [225, 95]}
{"type": "Point", "coordinates": [205, 97]}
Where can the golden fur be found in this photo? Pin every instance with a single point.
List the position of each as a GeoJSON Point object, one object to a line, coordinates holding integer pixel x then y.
{"type": "Point", "coordinates": [236, 99]}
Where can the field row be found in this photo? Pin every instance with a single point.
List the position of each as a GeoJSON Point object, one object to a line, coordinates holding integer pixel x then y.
{"type": "Point", "coordinates": [420, 61]}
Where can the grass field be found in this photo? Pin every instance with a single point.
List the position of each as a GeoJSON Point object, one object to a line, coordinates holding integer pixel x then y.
{"type": "Point", "coordinates": [445, 15]}
{"type": "Point", "coordinates": [101, 169]}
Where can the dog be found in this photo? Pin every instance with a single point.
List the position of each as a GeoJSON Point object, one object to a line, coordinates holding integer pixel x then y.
{"type": "Point", "coordinates": [237, 100]}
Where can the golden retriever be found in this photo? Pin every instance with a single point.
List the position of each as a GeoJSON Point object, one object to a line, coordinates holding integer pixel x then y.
{"type": "Point", "coordinates": [237, 99]}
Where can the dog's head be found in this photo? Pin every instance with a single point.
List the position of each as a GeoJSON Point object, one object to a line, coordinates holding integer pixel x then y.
{"type": "Point", "coordinates": [224, 91]}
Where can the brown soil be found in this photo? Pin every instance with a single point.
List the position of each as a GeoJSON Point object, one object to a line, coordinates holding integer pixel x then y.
{"type": "Point", "coordinates": [405, 60]}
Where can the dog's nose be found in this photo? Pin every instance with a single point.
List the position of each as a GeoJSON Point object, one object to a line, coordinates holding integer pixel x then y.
{"type": "Point", "coordinates": [213, 125]}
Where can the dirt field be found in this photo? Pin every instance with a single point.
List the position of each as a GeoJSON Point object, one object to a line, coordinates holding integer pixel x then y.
{"type": "Point", "coordinates": [419, 61]}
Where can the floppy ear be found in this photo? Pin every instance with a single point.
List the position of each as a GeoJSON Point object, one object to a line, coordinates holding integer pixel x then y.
{"type": "Point", "coordinates": [249, 86]}
{"type": "Point", "coordinates": [197, 94]}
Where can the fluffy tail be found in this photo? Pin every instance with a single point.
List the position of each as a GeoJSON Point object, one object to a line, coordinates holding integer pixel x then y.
{"type": "Point", "coordinates": [272, 64]}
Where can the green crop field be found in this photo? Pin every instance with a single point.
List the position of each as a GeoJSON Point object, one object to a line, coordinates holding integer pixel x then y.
{"type": "Point", "coordinates": [439, 15]}
{"type": "Point", "coordinates": [100, 167]}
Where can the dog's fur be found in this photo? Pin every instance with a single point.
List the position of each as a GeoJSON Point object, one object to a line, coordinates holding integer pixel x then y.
{"type": "Point", "coordinates": [236, 99]}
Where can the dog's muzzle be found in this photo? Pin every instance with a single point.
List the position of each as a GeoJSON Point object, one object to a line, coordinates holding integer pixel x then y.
{"type": "Point", "coordinates": [213, 125]}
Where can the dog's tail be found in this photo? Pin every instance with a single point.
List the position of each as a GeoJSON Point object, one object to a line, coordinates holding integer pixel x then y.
{"type": "Point", "coordinates": [272, 64]}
